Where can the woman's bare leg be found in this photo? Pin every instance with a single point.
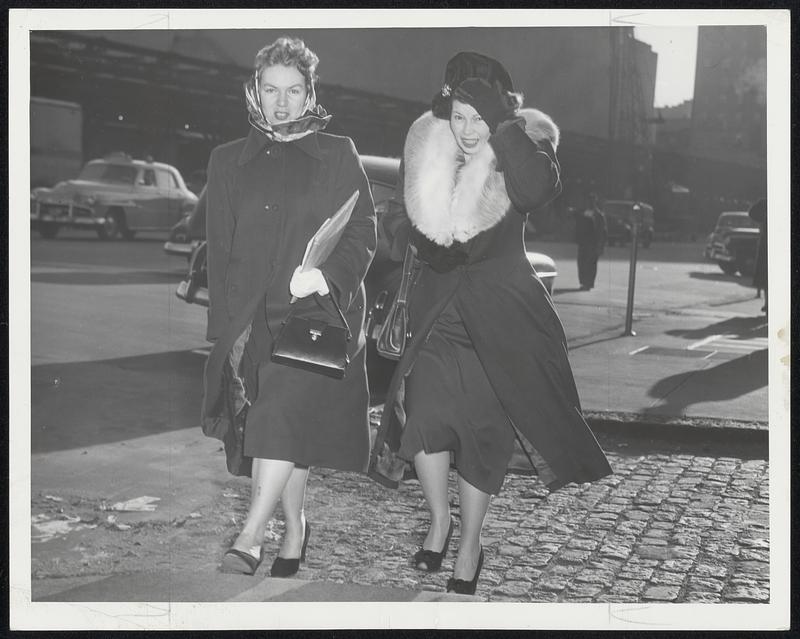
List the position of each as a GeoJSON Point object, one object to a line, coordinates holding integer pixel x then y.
{"type": "Point", "coordinates": [432, 471]}
{"type": "Point", "coordinates": [473, 505]}
{"type": "Point", "coordinates": [293, 500]}
{"type": "Point", "coordinates": [270, 476]}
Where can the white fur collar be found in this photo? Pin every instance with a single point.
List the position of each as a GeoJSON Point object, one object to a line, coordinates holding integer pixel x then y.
{"type": "Point", "coordinates": [447, 200]}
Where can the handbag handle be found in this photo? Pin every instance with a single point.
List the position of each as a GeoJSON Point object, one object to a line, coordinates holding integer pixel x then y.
{"type": "Point", "coordinates": [338, 310]}
{"type": "Point", "coordinates": [409, 264]}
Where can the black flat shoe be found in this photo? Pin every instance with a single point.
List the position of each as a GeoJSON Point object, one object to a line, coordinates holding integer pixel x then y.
{"type": "Point", "coordinates": [431, 558]}
{"type": "Point", "coordinates": [241, 562]}
{"type": "Point", "coordinates": [287, 567]}
{"type": "Point", "coordinates": [463, 587]}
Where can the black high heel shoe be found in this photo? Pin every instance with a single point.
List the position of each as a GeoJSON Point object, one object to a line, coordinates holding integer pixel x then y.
{"type": "Point", "coordinates": [287, 567]}
{"type": "Point", "coordinates": [431, 558]}
{"type": "Point", "coordinates": [241, 562]}
{"type": "Point", "coordinates": [464, 587]}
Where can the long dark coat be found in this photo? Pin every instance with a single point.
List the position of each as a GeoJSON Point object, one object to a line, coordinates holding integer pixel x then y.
{"type": "Point", "coordinates": [474, 257]}
{"type": "Point", "coordinates": [265, 200]}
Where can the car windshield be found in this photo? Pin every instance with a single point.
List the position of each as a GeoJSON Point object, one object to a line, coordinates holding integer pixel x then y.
{"type": "Point", "coordinates": [103, 172]}
{"type": "Point", "coordinates": [737, 220]}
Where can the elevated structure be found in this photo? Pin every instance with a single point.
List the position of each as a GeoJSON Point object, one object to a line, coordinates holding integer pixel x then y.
{"type": "Point", "coordinates": [175, 94]}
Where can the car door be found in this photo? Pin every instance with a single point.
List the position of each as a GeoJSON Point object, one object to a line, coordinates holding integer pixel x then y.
{"type": "Point", "coordinates": [142, 213]}
{"type": "Point", "coordinates": [170, 199]}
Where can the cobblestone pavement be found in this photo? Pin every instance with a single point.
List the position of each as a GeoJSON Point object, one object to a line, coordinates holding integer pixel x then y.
{"type": "Point", "coordinates": [673, 524]}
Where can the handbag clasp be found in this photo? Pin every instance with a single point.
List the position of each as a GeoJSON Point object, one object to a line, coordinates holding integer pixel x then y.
{"type": "Point", "coordinates": [315, 334]}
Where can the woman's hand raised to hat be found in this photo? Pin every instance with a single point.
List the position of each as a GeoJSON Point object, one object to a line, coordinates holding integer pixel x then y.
{"type": "Point", "coordinates": [486, 99]}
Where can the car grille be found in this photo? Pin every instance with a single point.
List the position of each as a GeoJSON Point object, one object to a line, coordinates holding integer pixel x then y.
{"type": "Point", "coordinates": [54, 210]}
{"type": "Point", "coordinates": [63, 210]}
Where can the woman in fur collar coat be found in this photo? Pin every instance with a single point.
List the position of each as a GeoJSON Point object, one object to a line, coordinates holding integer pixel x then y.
{"type": "Point", "coordinates": [488, 354]}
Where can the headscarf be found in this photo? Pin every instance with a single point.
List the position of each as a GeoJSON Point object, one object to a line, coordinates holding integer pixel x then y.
{"type": "Point", "coordinates": [314, 117]}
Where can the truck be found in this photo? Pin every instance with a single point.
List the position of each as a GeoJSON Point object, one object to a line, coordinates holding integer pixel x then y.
{"type": "Point", "coordinates": [56, 152]}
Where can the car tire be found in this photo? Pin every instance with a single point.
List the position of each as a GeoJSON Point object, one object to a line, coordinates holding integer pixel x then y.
{"type": "Point", "coordinates": [113, 228]}
{"type": "Point", "coordinates": [128, 234]}
{"type": "Point", "coordinates": [48, 231]}
{"type": "Point", "coordinates": [728, 268]}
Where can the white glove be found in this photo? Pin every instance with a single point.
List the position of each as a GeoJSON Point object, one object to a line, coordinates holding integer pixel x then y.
{"type": "Point", "coordinates": [307, 283]}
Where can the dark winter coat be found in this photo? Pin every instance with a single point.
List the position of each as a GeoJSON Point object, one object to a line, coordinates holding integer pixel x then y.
{"type": "Point", "coordinates": [590, 232]}
{"type": "Point", "coordinates": [264, 201]}
{"type": "Point", "coordinates": [466, 222]}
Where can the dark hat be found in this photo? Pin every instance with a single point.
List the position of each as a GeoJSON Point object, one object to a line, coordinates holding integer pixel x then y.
{"type": "Point", "coordinates": [468, 64]}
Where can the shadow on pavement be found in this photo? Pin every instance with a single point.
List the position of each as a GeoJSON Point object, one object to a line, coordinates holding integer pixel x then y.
{"type": "Point", "coordinates": [742, 327]}
{"type": "Point", "coordinates": [99, 278]}
{"type": "Point", "coordinates": [560, 291]}
{"type": "Point", "coordinates": [596, 341]}
{"type": "Point", "coordinates": [721, 277]}
{"type": "Point", "coordinates": [81, 404]}
{"type": "Point", "coordinates": [727, 380]}
{"type": "Point", "coordinates": [91, 238]}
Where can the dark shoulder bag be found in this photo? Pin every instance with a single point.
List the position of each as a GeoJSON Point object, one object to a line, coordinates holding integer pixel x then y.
{"type": "Point", "coordinates": [313, 344]}
{"type": "Point", "coordinates": [395, 332]}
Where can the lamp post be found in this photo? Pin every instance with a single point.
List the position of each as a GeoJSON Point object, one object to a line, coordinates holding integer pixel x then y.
{"type": "Point", "coordinates": [635, 218]}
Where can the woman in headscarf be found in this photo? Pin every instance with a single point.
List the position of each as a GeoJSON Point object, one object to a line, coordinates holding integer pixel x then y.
{"type": "Point", "coordinates": [488, 357]}
{"type": "Point", "coordinates": [267, 194]}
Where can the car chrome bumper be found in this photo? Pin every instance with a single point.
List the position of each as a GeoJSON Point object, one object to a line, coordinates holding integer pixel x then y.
{"type": "Point", "coordinates": [197, 296]}
{"type": "Point", "coordinates": [720, 256]}
{"type": "Point", "coordinates": [178, 248]}
{"type": "Point", "coordinates": [68, 221]}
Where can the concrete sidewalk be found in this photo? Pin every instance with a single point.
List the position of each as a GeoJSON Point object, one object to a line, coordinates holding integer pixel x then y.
{"type": "Point", "coordinates": [212, 585]}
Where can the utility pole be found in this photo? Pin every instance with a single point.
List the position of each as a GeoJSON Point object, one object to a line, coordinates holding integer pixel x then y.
{"type": "Point", "coordinates": [636, 215]}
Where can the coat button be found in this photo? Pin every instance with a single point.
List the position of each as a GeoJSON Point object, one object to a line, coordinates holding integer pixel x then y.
{"type": "Point", "coordinates": [266, 207]}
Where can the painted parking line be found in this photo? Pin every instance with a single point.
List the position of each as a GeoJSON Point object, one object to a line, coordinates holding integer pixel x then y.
{"type": "Point", "coordinates": [730, 344]}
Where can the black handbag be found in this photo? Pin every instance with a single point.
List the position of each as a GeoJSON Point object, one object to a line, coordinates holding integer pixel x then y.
{"type": "Point", "coordinates": [395, 332]}
{"type": "Point", "coordinates": [313, 344]}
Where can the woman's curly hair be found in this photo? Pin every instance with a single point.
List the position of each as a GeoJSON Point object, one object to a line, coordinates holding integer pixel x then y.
{"type": "Point", "coordinates": [291, 52]}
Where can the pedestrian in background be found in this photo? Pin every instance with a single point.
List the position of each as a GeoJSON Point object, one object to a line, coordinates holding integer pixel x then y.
{"type": "Point", "coordinates": [267, 194]}
{"type": "Point", "coordinates": [590, 235]}
{"type": "Point", "coordinates": [488, 352]}
{"type": "Point", "coordinates": [758, 213]}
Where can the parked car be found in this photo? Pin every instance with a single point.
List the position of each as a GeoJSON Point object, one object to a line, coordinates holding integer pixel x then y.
{"type": "Point", "coordinates": [381, 283]}
{"type": "Point", "coordinates": [733, 243]}
{"type": "Point", "coordinates": [619, 222]}
{"type": "Point", "coordinates": [116, 196]}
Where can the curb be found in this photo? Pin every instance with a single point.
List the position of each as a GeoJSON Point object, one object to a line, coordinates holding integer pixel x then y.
{"type": "Point", "coordinates": [693, 429]}
{"type": "Point", "coordinates": [215, 586]}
